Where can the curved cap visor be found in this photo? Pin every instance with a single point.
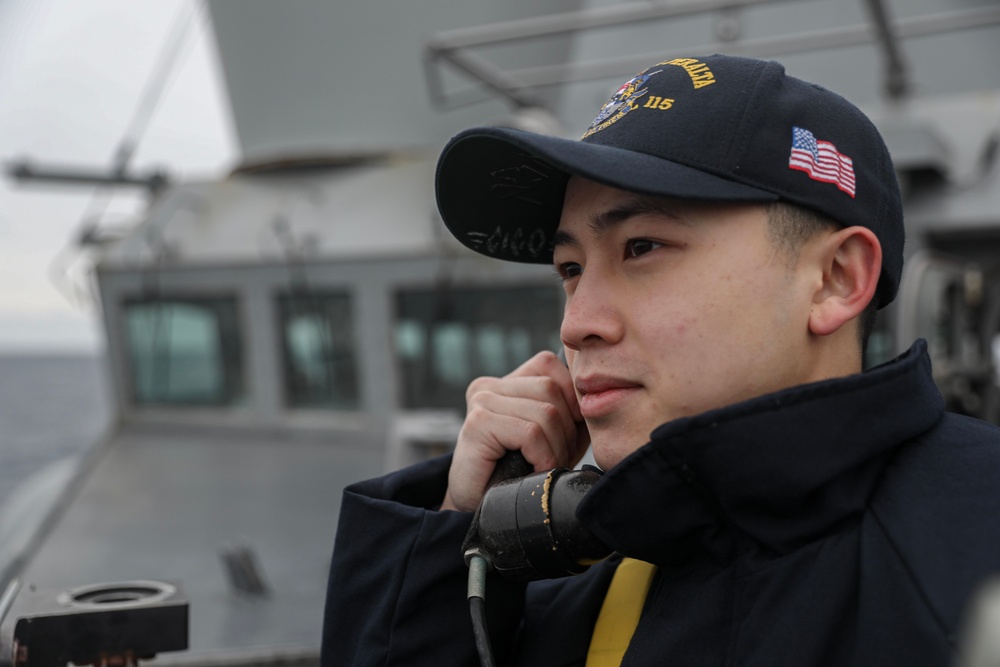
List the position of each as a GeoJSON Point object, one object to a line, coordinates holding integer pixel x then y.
{"type": "Point", "coordinates": [500, 191]}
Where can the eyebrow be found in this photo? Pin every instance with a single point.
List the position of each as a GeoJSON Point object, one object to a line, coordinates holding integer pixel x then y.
{"type": "Point", "coordinates": [601, 223]}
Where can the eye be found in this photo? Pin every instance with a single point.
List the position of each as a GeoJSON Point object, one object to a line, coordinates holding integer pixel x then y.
{"type": "Point", "coordinates": [568, 270]}
{"type": "Point", "coordinates": [637, 247]}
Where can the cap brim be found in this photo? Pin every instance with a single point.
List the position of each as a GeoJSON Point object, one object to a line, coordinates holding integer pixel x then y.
{"type": "Point", "coordinates": [500, 191]}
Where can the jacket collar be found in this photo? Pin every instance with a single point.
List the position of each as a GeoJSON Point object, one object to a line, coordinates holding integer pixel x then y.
{"type": "Point", "coordinates": [774, 472]}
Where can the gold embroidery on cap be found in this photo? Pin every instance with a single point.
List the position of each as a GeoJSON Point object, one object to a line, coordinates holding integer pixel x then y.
{"type": "Point", "coordinates": [699, 72]}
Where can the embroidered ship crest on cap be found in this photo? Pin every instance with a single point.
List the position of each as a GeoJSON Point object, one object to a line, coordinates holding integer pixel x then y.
{"type": "Point", "coordinates": [620, 103]}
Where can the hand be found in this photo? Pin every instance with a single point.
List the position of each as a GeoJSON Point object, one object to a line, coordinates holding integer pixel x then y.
{"type": "Point", "coordinates": [533, 409]}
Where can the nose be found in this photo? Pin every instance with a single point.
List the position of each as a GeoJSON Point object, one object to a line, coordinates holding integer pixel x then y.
{"type": "Point", "coordinates": [593, 313]}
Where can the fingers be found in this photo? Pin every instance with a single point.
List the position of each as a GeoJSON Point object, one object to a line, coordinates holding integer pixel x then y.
{"type": "Point", "coordinates": [547, 364]}
{"type": "Point", "coordinates": [538, 414]}
{"type": "Point", "coordinates": [540, 400]}
{"type": "Point", "coordinates": [533, 409]}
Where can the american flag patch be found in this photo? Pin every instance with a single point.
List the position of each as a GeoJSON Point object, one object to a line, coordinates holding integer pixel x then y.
{"type": "Point", "coordinates": [821, 160]}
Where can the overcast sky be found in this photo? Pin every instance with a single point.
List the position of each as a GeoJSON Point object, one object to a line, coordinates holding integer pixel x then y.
{"type": "Point", "coordinates": [72, 75]}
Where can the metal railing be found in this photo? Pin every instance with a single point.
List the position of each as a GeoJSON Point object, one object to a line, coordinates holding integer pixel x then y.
{"type": "Point", "coordinates": [455, 48]}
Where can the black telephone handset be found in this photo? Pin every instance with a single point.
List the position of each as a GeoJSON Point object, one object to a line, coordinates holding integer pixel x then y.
{"type": "Point", "coordinates": [526, 529]}
{"type": "Point", "coordinates": [526, 526]}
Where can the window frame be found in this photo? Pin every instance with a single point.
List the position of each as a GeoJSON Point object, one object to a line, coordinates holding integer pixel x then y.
{"type": "Point", "coordinates": [232, 350]}
{"type": "Point", "coordinates": [280, 300]}
{"type": "Point", "coordinates": [504, 291]}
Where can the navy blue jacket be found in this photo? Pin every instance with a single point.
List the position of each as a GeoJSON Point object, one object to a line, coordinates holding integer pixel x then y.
{"type": "Point", "coordinates": [845, 522]}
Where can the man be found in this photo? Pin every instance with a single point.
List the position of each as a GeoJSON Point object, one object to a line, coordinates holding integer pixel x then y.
{"type": "Point", "coordinates": [724, 233]}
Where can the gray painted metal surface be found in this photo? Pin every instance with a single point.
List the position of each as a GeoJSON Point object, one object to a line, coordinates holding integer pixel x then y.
{"type": "Point", "coordinates": [348, 77]}
{"type": "Point", "coordinates": [162, 504]}
{"type": "Point", "coordinates": [378, 208]}
{"type": "Point", "coordinates": [322, 80]}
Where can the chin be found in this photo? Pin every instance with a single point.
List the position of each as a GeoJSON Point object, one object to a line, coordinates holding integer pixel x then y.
{"type": "Point", "coordinates": [611, 446]}
{"type": "Point", "coordinates": [607, 457]}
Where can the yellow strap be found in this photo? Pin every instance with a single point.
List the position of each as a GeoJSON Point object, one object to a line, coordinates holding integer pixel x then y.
{"type": "Point", "coordinates": [620, 613]}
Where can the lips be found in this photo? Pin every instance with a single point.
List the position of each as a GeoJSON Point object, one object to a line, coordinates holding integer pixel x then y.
{"type": "Point", "coordinates": [602, 395]}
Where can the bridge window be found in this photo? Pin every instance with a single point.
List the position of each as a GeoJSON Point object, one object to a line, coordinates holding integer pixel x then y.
{"type": "Point", "coordinates": [184, 351]}
{"type": "Point", "coordinates": [446, 338]}
{"type": "Point", "coordinates": [318, 350]}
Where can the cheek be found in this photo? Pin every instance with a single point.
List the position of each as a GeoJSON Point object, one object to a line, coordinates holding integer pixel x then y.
{"type": "Point", "coordinates": [667, 329]}
{"type": "Point", "coordinates": [710, 319]}
{"type": "Point", "coordinates": [743, 287]}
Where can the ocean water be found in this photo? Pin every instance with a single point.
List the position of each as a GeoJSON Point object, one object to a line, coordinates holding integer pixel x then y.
{"type": "Point", "coordinates": [51, 406]}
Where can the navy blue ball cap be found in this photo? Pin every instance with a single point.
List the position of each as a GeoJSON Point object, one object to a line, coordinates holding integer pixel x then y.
{"type": "Point", "coordinates": [714, 128]}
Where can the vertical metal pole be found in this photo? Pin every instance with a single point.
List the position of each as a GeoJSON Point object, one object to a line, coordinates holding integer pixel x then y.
{"type": "Point", "coordinates": [897, 83]}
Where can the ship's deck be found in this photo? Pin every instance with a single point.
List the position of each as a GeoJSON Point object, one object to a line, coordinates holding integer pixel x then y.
{"type": "Point", "coordinates": [162, 505]}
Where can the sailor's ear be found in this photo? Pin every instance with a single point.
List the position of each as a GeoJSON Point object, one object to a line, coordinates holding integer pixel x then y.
{"type": "Point", "coordinates": [851, 262]}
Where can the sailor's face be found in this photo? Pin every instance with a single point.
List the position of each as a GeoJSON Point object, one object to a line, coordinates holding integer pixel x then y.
{"type": "Point", "coordinates": [672, 308]}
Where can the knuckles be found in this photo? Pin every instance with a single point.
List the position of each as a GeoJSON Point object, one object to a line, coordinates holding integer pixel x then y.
{"type": "Point", "coordinates": [533, 432]}
{"type": "Point", "coordinates": [552, 415]}
{"type": "Point", "coordinates": [546, 461]}
{"type": "Point", "coordinates": [477, 386]}
{"type": "Point", "coordinates": [476, 415]}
